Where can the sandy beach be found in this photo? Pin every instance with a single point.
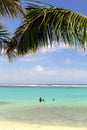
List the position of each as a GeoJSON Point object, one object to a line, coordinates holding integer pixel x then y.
{"type": "Point", "coordinates": [8, 125]}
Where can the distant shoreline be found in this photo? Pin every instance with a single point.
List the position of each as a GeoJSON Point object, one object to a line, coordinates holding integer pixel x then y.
{"type": "Point", "coordinates": [43, 85]}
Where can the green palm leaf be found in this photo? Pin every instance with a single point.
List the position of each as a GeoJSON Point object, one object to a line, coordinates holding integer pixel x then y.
{"type": "Point", "coordinates": [10, 7]}
{"type": "Point", "coordinates": [43, 25]}
{"type": "Point", "coordinates": [4, 37]}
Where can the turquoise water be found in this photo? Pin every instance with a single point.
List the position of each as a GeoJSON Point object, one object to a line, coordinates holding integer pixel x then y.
{"type": "Point", "coordinates": [30, 96]}
{"type": "Point", "coordinates": [22, 105]}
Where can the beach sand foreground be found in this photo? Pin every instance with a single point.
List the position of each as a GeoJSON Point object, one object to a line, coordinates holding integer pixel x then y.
{"type": "Point", "coordinates": [8, 125]}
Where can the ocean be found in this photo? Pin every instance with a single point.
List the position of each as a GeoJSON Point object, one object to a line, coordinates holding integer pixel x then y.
{"type": "Point", "coordinates": [62, 105]}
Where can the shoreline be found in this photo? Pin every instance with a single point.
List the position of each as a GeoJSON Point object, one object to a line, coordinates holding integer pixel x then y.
{"type": "Point", "coordinates": [9, 125]}
{"type": "Point", "coordinates": [56, 117]}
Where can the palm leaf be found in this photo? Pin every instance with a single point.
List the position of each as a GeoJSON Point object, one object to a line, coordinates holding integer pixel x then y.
{"type": "Point", "coordinates": [4, 37]}
{"type": "Point", "coordinates": [10, 7]}
{"type": "Point", "coordinates": [43, 25]}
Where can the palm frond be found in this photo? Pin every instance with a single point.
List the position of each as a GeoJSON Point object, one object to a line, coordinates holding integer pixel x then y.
{"type": "Point", "coordinates": [4, 37]}
{"type": "Point", "coordinates": [43, 25]}
{"type": "Point", "coordinates": [10, 7]}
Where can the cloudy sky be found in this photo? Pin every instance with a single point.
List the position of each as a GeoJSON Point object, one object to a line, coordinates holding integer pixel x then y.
{"type": "Point", "coordinates": [59, 65]}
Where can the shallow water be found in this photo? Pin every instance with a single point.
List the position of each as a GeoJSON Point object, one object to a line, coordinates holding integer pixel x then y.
{"type": "Point", "coordinates": [22, 105]}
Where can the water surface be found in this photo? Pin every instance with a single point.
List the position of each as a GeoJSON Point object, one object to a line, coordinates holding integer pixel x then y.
{"type": "Point", "coordinates": [22, 105]}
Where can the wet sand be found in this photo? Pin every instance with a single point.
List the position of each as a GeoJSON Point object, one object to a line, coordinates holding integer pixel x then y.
{"type": "Point", "coordinates": [55, 117]}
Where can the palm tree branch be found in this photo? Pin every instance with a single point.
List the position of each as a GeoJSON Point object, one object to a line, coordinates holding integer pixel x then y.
{"type": "Point", "coordinates": [43, 25]}
{"type": "Point", "coordinates": [4, 37]}
{"type": "Point", "coordinates": [10, 7]}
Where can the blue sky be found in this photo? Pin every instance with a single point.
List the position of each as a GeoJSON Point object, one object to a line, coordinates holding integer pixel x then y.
{"type": "Point", "coordinates": [59, 65]}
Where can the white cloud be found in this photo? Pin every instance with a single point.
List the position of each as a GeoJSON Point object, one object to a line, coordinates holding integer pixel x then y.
{"type": "Point", "coordinates": [55, 47]}
{"type": "Point", "coordinates": [39, 68]}
{"type": "Point", "coordinates": [61, 45]}
{"type": "Point", "coordinates": [33, 59]}
{"type": "Point", "coordinates": [39, 74]}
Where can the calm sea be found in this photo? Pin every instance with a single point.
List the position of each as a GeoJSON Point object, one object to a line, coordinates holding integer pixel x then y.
{"type": "Point", "coordinates": [71, 95]}
{"type": "Point", "coordinates": [22, 104]}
